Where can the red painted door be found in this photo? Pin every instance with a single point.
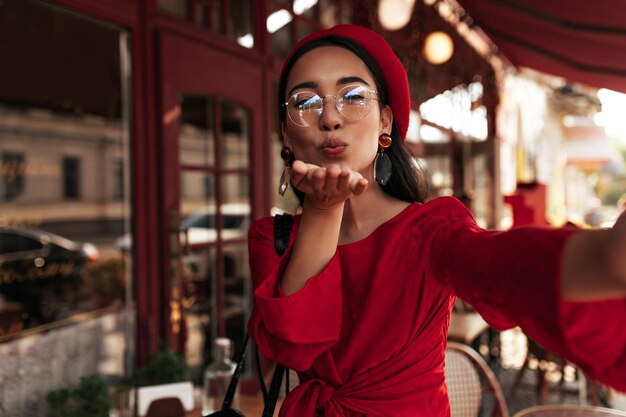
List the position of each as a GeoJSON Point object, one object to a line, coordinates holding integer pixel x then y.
{"type": "Point", "coordinates": [212, 124]}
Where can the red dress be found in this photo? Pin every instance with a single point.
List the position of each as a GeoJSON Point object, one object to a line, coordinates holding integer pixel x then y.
{"type": "Point", "coordinates": [367, 335]}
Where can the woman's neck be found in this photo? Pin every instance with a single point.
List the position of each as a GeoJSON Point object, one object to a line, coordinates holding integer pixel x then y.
{"type": "Point", "coordinates": [362, 214]}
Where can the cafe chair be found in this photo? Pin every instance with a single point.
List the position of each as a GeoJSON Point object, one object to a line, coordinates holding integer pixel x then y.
{"type": "Point", "coordinates": [165, 400]}
{"type": "Point", "coordinates": [467, 326]}
{"type": "Point", "coordinates": [568, 410]}
{"type": "Point", "coordinates": [166, 407]}
{"type": "Point", "coordinates": [473, 388]}
{"type": "Point", "coordinates": [544, 359]}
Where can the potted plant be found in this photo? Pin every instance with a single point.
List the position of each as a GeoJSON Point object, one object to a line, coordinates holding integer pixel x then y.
{"type": "Point", "coordinates": [89, 399]}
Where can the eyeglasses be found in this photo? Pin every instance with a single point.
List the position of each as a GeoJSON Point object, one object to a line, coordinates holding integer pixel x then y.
{"type": "Point", "coordinates": [353, 102]}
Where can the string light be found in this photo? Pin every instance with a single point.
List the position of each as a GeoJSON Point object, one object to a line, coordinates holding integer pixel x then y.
{"type": "Point", "coordinates": [395, 14]}
{"type": "Point", "coordinates": [438, 47]}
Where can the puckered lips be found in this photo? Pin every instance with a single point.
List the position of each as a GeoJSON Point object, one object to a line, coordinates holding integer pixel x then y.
{"type": "Point", "coordinates": [333, 147]}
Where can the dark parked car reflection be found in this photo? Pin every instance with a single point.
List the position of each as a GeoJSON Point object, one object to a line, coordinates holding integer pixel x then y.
{"type": "Point", "coordinates": [41, 272]}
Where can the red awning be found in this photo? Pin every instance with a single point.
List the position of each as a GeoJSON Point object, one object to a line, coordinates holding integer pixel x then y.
{"type": "Point", "coordinates": [580, 40]}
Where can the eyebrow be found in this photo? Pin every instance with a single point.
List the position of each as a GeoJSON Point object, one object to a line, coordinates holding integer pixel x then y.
{"type": "Point", "coordinates": [341, 81]}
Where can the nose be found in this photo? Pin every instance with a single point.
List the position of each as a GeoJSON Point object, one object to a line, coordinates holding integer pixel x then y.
{"type": "Point", "coordinates": [330, 119]}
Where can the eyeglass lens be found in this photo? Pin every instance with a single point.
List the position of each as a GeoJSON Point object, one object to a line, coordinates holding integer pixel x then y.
{"type": "Point", "coordinates": [352, 102]}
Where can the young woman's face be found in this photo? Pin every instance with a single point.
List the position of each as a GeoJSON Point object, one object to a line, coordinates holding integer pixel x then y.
{"type": "Point", "coordinates": [331, 137]}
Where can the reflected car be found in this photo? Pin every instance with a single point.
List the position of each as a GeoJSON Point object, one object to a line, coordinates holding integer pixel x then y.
{"type": "Point", "coordinates": [41, 271]}
{"type": "Point", "coordinates": [197, 233]}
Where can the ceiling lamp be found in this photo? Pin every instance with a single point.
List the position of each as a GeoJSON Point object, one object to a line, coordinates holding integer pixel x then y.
{"type": "Point", "coordinates": [438, 47]}
{"type": "Point", "coordinates": [395, 14]}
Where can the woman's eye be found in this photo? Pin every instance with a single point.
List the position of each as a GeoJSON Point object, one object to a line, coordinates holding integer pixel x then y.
{"type": "Point", "coordinates": [353, 98]}
{"type": "Point", "coordinates": [304, 102]}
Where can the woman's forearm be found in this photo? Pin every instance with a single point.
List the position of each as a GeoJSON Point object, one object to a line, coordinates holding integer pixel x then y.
{"type": "Point", "coordinates": [314, 247]}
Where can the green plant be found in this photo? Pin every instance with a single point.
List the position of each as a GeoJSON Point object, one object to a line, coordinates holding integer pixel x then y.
{"type": "Point", "coordinates": [165, 367]}
{"type": "Point", "coordinates": [89, 399]}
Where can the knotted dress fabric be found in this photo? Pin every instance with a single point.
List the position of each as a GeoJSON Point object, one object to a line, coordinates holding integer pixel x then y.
{"type": "Point", "coordinates": [367, 334]}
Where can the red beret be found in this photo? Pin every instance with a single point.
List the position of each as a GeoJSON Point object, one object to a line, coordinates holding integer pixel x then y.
{"type": "Point", "coordinates": [393, 72]}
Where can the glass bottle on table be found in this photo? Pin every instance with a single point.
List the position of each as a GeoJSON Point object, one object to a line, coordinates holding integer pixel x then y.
{"type": "Point", "coordinates": [217, 377]}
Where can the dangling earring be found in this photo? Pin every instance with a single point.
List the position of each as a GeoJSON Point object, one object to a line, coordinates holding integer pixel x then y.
{"type": "Point", "coordinates": [286, 155]}
{"type": "Point", "coordinates": [382, 163]}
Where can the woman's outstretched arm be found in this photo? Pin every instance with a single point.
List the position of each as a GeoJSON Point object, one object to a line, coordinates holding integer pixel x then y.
{"type": "Point", "coordinates": [594, 264]}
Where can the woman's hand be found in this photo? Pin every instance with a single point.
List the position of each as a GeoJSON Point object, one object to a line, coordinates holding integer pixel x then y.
{"type": "Point", "coordinates": [328, 186]}
{"type": "Point", "coordinates": [594, 264]}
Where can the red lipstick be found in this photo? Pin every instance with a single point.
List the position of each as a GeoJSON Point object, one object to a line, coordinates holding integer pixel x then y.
{"type": "Point", "coordinates": [333, 147]}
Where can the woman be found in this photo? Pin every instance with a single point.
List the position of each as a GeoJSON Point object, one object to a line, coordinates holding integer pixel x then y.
{"type": "Point", "coordinates": [359, 304]}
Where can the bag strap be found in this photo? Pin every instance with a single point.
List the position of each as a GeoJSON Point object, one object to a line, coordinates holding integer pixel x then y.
{"type": "Point", "coordinates": [259, 372]}
{"type": "Point", "coordinates": [272, 396]}
{"type": "Point", "coordinates": [282, 230]}
{"type": "Point", "coordinates": [232, 386]}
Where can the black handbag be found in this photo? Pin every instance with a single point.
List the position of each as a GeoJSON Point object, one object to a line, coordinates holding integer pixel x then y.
{"type": "Point", "coordinates": [282, 230]}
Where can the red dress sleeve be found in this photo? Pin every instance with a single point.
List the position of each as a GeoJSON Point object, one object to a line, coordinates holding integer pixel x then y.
{"type": "Point", "coordinates": [513, 278]}
{"type": "Point", "coordinates": [291, 330]}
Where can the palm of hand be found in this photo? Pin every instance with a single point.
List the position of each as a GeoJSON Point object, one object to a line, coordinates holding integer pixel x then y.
{"type": "Point", "coordinates": [327, 186]}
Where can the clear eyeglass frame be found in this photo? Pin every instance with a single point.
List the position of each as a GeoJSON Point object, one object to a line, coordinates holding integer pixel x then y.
{"type": "Point", "coordinates": [353, 102]}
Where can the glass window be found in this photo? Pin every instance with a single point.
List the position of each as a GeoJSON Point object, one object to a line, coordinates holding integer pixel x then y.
{"type": "Point", "coordinates": [235, 143]}
{"type": "Point", "coordinates": [240, 22]}
{"type": "Point", "coordinates": [71, 178]}
{"type": "Point", "coordinates": [237, 286]}
{"type": "Point", "coordinates": [279, 24]}
{"type": "Point", "coordinates": [215, 205]}
{"type": "Point", "coordinates": [235, 206]}
{"type": "Point", "coordinates": [197, 140]}
{"type": "Point", "coordinates": [118, 180]}
{"type": "Point", "coordinates": [64, 154]}
{"type": "Point", "coordinates": [233, 18]}
{"type": "Point", "coordinates": [13, 167]}
{"type": "Point", "coordinates": [197, 189]}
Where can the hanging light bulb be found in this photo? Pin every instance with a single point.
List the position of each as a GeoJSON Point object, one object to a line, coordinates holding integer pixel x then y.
{"type": "Point", "coordinates": [438, 47]}
{"type": "Point", "coordinates": [395, 14]}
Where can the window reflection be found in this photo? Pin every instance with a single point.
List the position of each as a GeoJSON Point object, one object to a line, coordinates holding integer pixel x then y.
{"type": "Point", "coordinates": [233, 18]}
{"type": "Point", "coordinates": [214, 148]}
{"type": "Point", "coordinates": [240, 27]}
{"type": "Point", "coordinates": [197, 147]}
{"type": "Point", "coordinates": [63, 152]}
{"type": "Point", "coordinates": [13, 167]}
{"type": "Point", "coordinates": [279, 23]}
{"type": "Point", "coordinates": [237, 279]}
{"type": "Point", "coordinates": [71, 178]}
{"type": "Point", "coordinates": [235, 143]}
